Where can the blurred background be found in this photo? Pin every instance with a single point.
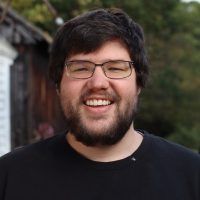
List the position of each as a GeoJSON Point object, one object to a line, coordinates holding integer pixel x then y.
{"type": "Point", "coordinates": [29, 107]}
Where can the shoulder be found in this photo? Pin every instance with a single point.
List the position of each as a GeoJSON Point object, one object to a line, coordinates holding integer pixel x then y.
{"type": "Point", "coordinates": [175, 154]}
{"type": "Point", "coordinates": [32, 152]}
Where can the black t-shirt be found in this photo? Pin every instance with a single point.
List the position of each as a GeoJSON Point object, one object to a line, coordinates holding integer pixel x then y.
{"type": "Point", "coordinates": [52, 170]}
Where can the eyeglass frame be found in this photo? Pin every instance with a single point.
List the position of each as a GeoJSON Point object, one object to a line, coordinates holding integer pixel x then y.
{"type": "Point", "coordinates": [131, 64]}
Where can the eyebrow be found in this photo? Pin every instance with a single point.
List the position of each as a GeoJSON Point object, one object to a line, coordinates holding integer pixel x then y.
{"type": "Point", "coordinates": [104, 61]}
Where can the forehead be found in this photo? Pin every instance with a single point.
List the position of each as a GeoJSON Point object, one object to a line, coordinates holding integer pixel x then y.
{"type": "Point", "coordinates": [111, 50]}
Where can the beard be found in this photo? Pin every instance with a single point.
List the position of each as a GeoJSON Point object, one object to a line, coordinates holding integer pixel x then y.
{"type": "Point", "coordinates": [110, 133]}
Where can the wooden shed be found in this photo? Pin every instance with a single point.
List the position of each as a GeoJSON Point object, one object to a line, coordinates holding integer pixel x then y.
{"type": "Point", "coordinates": [29, 104]}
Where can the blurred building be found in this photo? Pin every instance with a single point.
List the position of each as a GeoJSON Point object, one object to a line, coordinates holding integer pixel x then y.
{"type": "Point", "coordinates": [27, 98]}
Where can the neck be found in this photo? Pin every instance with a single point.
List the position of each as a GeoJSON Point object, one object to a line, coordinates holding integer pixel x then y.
{"type": "Point", "coordinates": [124, 148]}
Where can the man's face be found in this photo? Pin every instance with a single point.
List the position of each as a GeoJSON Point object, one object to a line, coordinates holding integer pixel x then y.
{"type": "Point", "coordinates": [108, 121]}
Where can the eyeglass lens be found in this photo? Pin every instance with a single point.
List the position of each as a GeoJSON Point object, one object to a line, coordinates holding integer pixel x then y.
{"type": "Point", "coordinates": [112, 69]}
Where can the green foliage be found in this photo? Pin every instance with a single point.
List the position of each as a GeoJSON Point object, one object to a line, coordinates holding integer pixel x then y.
{"type": "Point", "coordinates": [170, 105]}
{"type": "Point", "coordinates": [188, 137]}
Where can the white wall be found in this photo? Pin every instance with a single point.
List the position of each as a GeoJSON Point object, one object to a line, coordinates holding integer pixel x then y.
{"type": "Point", "coordinates": [7, 55]}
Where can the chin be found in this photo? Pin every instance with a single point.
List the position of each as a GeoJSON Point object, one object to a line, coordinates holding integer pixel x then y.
{"type": "Point", "coordinates": [98, 126]}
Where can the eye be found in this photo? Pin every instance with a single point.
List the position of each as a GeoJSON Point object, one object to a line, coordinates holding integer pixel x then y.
{"type": "Point", "coordinates": [115, 69]}
{"type": "Point", "coordinates": [79, 67]}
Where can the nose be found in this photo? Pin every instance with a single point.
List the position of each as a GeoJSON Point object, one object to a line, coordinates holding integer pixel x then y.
{"type": "Point", "coordinates": [98, 81]}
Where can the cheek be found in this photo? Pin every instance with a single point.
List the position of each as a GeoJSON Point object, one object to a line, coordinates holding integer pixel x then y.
{"type": "Point", "coordinates": [127, 90]}
{"type": "Point", "coordinates": [70, 90]}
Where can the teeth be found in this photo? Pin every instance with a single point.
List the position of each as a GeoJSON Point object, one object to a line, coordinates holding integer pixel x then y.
{"type": "Point", "coordinates": [96, 102]}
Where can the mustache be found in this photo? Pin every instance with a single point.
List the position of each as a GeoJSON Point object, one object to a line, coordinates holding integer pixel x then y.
{"type": "Point", "coordinates": [104, 94]}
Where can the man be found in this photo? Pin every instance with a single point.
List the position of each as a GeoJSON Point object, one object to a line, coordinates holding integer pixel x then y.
{"type": "Point", "coordinates": [98, 63]}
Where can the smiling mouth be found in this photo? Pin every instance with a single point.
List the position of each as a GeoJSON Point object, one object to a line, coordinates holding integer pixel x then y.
{"type": "Point", "coordinates": [97, 102]}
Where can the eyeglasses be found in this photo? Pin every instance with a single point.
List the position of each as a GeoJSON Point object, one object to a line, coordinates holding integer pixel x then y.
{"type": "Point", "coordinates": [115, 69]}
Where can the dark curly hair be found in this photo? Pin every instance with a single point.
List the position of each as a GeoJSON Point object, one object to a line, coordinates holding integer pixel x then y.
{"type": "Point", "coordinates": [86, 33]}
